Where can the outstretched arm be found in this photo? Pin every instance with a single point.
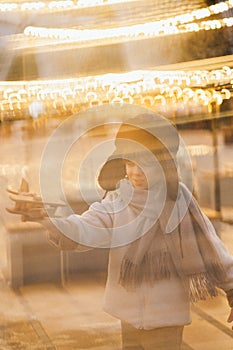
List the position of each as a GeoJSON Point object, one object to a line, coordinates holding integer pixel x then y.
{"type": "Point", "coordinates": [91, 229]}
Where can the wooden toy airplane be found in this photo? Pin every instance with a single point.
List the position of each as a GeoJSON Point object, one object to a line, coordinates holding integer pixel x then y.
{"type": "Point", "coordinates": [31, 204]}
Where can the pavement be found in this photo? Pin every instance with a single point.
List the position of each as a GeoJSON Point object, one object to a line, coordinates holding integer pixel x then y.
{"type": "Point", "coordinates": [69, 316]}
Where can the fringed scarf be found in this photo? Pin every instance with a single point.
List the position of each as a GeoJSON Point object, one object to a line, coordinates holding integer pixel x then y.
{"type": "Point", "coordinates": [184, 249]}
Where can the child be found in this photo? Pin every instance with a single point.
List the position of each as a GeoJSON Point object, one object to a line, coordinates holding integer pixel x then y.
{"type": "Point", "coordinates": [164, 252]}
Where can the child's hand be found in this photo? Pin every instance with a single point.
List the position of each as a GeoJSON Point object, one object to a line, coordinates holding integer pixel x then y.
{"type": "Point", "coordinates": [31, 207]}
{"type": "Point", "coordinates": [28, 205]}
{"type": "Point", "coordinates": [33, 195]}
{"type": "Point", "coordinates": [230, 318]}
{"type": "Point", "coordinates": [33, 214]}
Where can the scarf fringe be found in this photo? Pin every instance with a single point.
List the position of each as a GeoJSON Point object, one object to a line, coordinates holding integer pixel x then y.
{"type": "Point", "coordinates": [152, 268]}
{"type": "Point", "coordinates": [201, 286]}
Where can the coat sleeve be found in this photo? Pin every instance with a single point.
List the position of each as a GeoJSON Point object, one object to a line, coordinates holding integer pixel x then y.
{"type": "Point", "coordinates": [92, 229]}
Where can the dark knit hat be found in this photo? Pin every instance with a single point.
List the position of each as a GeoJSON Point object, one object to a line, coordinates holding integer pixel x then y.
{"type": "Point", "coordinates": [144, 134]}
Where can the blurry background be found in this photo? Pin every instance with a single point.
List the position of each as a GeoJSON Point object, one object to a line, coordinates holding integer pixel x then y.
{"type": "Point", "coordinates": [59, 58]}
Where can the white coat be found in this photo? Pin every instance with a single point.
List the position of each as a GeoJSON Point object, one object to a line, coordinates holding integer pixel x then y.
{"type": "Point", "coordinates": [166, 303]}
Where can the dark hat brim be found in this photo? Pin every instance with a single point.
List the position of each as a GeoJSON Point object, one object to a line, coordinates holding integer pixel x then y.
{"type": "Point", "coordinates": [111, 173]}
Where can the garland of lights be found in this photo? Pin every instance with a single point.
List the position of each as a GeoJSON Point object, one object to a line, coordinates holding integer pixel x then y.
{"type": "Point", "coordinates": [135, 32]}
{"type": "Point", "coordinates": [148, 88]}
{"type": "Point", "coordinates": [56, 5]}
{"type": "Point", "coordinates": [73, 5]}
{"type": "Point", "coordinates": [179, 24]}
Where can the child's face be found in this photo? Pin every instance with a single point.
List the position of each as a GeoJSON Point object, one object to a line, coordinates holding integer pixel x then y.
{"type": "Point", "coordinates": [143, 177]}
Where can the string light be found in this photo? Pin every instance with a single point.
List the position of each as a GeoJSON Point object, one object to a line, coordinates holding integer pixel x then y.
{"type": "Point", "coordinates": [150, 88]}
{"type": "Point", "coordinates": [57, 5]}
{"type": "Point", "coordinates": [126, 33]}
{"type": "Point", "coordinates": [73, 5]}
{"type": "Point", "coordinates": [219, 7]}
{"type": "Point", "coordinates": [199, 150]}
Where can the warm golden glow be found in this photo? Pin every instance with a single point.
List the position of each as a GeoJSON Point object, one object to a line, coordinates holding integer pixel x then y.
{"type": "Point", "coordinates": [126, 33]}
{"type": "Point", "coordinates": [147, 88]}
{"type": "Point", "coordinates": [73, 5]}
{"type": "Point", "coordinates": [55, 5]}
{"type": "Point", "coordinates": [199, 150]}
